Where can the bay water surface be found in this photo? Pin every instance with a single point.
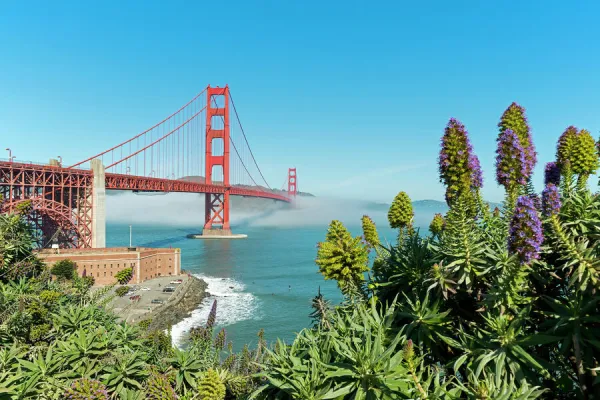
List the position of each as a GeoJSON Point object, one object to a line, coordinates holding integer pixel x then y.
{"type": "Point", "coordinates": [266, 281]}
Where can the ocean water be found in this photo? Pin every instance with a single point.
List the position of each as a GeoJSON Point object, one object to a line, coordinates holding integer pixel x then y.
{"type": "Point", "coordinates": [266, 281]}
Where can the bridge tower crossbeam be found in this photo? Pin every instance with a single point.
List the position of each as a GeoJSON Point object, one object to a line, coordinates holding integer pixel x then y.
{"type": "Point", "coordinates": [292, 182]}
{"type": "Point", "coordinates": [216, 214]}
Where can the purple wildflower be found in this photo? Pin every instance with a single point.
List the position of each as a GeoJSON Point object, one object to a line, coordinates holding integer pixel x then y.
{"type": "Point", "coordinates": [537, 201]}
{"type": "Point", "coordinates": [552, 173]}
{"type": "Point", "coordinates": [221, 339]}
{"type": "Point", "coordinates": [525, 231]}
{"type": "Point", "coordinates": [459, 167]}
{"type": "Point", "coordinates": [212, 316]}
{"type": "Point", "coordinates": [550, 200]}
{"type": "Point", "coordinates": [511, 163]}
{"type": "Point", "coordinates": [476, 174]}
{"type": "Point", "coordinates": [514, 118]}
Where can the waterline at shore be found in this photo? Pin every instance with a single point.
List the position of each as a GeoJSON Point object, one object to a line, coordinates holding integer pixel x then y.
{"type": "Point", "coordinates": [234, 304]}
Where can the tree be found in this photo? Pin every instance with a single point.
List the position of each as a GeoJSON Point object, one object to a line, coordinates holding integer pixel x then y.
{"type": "Point", "coordinates": [64, 269]}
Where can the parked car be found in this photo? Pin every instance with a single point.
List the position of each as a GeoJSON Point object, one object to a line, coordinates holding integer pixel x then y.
{"type": "Point", "coordinates": [169, 289]}
{"type": "Point", "coordinates": [157, 301]}
{"type": "Point", "coordinates": [177, 282]}
{"type": "Point", "coordinates": [145, 289]}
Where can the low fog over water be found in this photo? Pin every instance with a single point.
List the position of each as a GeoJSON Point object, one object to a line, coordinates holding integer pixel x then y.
{"type": "Point", "coordinates": [187, 209]}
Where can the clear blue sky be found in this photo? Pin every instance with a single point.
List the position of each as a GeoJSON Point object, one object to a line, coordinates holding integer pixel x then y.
{"type": "Point", "coordinates": [355, 94]}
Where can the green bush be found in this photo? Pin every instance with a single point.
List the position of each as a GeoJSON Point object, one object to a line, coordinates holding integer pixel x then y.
{"type": "Point", "coordinates": [50, 296]}
{"type": "Point", "coordinates": [159, 388]}
{"type": "Point", "coordinates": [211, 387]}
{"type": "Point", "coordinates": [122, 291]}
{"type": "Point", "coordinates": [64, 269]}
{"type": "Point", "coordinates": [86, 389]}
{"type": "Point", "coordinates": [124, 276]}
{"type": "Point", "coordinates": [88, 281]}
{"type": "Point", "coordinates": [145, 324]}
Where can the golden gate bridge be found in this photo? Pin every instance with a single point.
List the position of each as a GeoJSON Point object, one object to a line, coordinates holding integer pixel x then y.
{"type": "Point", "coordinates": [197, 149]}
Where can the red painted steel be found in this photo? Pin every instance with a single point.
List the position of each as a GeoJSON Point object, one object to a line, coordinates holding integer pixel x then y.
{"type": "Point", "coordinates": [62, 198]}
{"type": "Point", "coordinates": [216, 206]}
{"type": "Point", "coordinates": [292, 182]}
{"type": "Point", "coordinates": [149, 184]}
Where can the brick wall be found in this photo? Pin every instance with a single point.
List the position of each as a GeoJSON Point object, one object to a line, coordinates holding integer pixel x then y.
{"type": "Point", "coordinates": [103, 264]}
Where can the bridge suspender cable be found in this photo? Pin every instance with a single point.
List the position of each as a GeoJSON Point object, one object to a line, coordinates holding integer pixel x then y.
{"type": "Point", "coordinates": [141, 134]}
{"type": "Point", "coordinates": [235, 148]}
{"type": "Point", "coordinates": [157, 140]}
{"type": "Point", "coordinates": [246, 139]}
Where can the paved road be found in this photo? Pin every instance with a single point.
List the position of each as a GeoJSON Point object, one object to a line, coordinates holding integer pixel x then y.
{"type": "Point", "coordinates": [135, 311]}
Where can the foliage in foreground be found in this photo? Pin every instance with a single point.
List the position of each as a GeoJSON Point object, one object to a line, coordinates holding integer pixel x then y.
{"type": "Point", "coordinates": [58, 341]}
{"type": "Point", "coordinates": [490, 305]}
{"type": "Point", "coordinates": [496, 305]}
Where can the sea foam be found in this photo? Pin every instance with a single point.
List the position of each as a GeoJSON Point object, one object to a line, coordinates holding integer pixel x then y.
{"type": "Point", "coordinates": [233, 305]}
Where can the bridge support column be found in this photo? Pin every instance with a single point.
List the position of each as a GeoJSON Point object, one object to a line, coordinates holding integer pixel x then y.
{"type": "Point", "coordinates": [292, 182]}
{"type": "Point", "coordinates": [98, 205]}
{"type": "Point", "coordinates": [216, 214]}
{"type": "Point", "coordinates": [216, 210]}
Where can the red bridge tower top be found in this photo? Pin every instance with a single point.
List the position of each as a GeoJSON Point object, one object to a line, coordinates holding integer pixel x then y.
{"type": "Point", "coordinates": [292, 182]}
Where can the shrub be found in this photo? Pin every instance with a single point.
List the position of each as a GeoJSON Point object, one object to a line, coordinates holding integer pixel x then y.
{"type": "Point", "coordinates": [64, 269]}
{"type": "Point", "coordinates": [86, 389]}
{"type": "Point", "coordinates": [88, 281]}
{"type": "Point", "coordinates": [343, 258]}
{"type": "Point", "coordinates": [145, 324]}
{"type": "Point", "coordinates": [121, 291]}
{"type": "Point", "coordinates": [211, 387]}
{"type": "Point", "coordinates": [124, 276]}
{"type": "Point", "coordinates": [38, 332]}
{"type": "Point", "coordinates": [50, 296]}
{"type": "Point", "coordinates": [159, 388]}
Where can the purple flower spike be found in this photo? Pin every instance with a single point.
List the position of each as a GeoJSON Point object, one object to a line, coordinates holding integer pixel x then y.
{"type": "Point", "coordinates": [525, 231]}
{"type": "Point", "coordinates": [514, 118]}
{"type": "Point", "coordinates": [511, 161]}
{"type": "Point", "coordinates": [552, 174]}
{"type": "Point", "coordinates": [537, 201]}
{"type": "Point", "coordinates": [459, 167]}
{"type": "Point", "coordinates": [476, 174]}
{"type": "Point", "coordinates": [550, 200]}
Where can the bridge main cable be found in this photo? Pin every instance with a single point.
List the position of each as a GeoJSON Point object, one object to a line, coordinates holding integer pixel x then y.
{"type": "Point", "coordinates": [141, 134]}
{"type": "Point", "coordinates": [158, 140]}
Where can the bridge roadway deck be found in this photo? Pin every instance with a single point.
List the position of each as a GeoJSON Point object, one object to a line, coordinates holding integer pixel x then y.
{"type": "Point", "coordinates": [48, 176]}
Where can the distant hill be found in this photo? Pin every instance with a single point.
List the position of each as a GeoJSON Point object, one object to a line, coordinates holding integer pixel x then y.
{"type": "Point", "coordinates": [435, 206]}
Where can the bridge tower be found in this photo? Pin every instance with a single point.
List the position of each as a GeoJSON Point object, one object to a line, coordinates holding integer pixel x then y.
{"type": "Point", "coordinates": [216, 213]}
{"type": "Point", "coordinates": [292, 182]}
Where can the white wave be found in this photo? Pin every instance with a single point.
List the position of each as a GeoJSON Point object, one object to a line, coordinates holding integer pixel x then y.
{"type": "Point", "coordinates": [233, 305]}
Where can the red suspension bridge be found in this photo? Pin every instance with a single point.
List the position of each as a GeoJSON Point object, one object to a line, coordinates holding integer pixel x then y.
{"type": "Point", "coordinates": [197, 149]}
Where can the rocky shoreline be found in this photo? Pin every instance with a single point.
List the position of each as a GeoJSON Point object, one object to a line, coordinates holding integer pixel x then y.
{"type": "Point", "coordinates": [180, 306]}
